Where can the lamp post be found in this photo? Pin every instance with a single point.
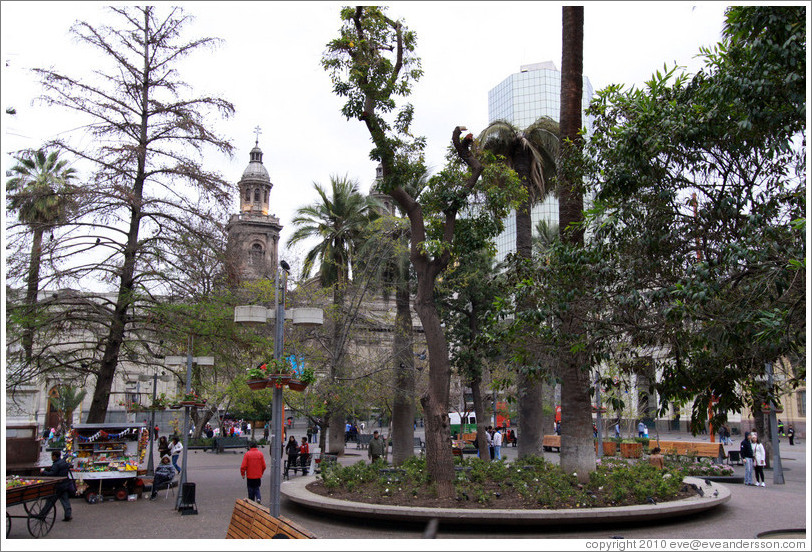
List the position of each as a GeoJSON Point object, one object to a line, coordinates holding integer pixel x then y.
{"type": "Point", "coordinates": [150, 462]}
{"type": "Point", "coordinates": [257, 315]}
{"type": "Point", "coordinates": [200, 361]}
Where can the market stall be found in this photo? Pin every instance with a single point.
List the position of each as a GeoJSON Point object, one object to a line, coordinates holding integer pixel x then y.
{"type": "Point", "coordinates": [107, 459]}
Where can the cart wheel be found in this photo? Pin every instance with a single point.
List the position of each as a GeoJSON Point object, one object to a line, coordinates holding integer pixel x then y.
{"type": "Point", "coordinates": [8, 524]}
{"type": "Point", "coordinates": [39, 527]}
{"type": "Point", "coordinates": [92, 497]}
{"type": "Point", "coordinates": [121, 493]}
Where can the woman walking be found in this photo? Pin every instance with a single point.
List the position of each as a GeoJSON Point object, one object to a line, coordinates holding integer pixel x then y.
{"type": "Point", "coordinates": [759, 459]}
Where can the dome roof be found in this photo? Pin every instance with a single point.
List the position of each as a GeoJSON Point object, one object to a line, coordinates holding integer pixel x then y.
{"type": "Point", "coordinates": [255, 169]}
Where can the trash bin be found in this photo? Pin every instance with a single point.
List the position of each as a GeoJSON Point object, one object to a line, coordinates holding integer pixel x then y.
{"type": "Point", "coordinates": [188, 494]}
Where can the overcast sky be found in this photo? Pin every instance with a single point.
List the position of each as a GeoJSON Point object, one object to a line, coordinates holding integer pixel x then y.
{"type": "Point", "coordinates": [268, 67]}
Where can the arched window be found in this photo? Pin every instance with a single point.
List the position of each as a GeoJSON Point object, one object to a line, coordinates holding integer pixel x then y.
{"type": "Point", "coordinates": [268, 196]}
{"type": "Point", "coordinates": [256, 254]}
{"type": "Point", "coordinates": [247, 194]}
{"type": "Point", "coordinates": [256, 195]}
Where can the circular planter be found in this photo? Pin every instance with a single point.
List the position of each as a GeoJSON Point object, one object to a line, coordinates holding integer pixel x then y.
{"type": "Point", "coordinates": [257, 384]}
{"type": "Point", "coordinates": [174, 406]}
{"type": "Point", "coordinates": [188, 403]}
{"type": "Point", "coordinates": [200, 404]}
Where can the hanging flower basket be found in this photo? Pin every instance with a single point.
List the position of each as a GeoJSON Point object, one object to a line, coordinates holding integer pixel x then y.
{"type": "Point", "coordinates": [595, 409]}
{"type": "Point", "coordinates": [766, 409]}
{"type": "Point", "coordinates": [297, 385]}
{"type": "Point", "coordinates": [280, 379]}
{"type": "Point", "coordinates": [188, 403]}
{"type": "Point", "coordinates": [257, 384]}
{"type": "Point", "coordinates": [174, 406]}
{"type": "Point", "coordinates": [200, 403]}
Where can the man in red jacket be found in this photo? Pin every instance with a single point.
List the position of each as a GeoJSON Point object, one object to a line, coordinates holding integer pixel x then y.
{"type": "Point", "coordinates": [252, 468]}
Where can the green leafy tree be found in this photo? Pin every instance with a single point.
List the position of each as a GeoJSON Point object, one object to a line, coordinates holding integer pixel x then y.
{"type": "Point", "coordinates": [41, 194]}
{"type": "Point", "coordinates": [701, 185]}
{"type": "Point", "coordinates": [372, 63]}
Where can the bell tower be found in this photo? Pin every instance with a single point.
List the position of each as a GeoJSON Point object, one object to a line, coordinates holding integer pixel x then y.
{"type": "Point", "coordinates": [253, 233]}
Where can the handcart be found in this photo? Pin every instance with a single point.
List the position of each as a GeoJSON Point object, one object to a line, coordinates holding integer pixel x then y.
{"type": "Point", "coordinates": [33, 494]}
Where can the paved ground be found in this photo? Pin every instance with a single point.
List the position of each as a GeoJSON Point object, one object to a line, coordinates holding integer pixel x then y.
{"type": "Point", "coordinates": [750, 511]}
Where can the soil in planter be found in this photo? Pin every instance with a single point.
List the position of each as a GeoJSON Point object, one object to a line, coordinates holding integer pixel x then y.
{"type": "Point", "coordinates": [508, 498]}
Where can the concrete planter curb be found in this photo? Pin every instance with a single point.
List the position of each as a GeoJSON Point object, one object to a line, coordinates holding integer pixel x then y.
{"type": "Point", "coordinates": [296, 492]}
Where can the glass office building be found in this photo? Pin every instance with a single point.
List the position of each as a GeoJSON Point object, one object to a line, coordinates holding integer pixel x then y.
{"type": "Point", "coordinates": [523, 97]}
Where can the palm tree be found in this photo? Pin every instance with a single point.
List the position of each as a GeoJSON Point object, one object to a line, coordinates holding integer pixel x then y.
{"type": "Point", "coordinates": [577, 449]}
{"type": "Point", "coordinates": [65, 402]}
{"type": "Point", "coordinates": [41, 195]}
{"type": "Point", "coordinates": [337, 219]}
{"type": "Point", "coordinates": [532, 154]}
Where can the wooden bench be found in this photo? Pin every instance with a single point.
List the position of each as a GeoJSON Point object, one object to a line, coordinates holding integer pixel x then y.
{"type": "Point", "coordinates": [221, 443]}
{"type": "Point", "coordinates": [550, 442]}
{"type": "Point", "coordinates": [690, 448]}
{"type": "Point", "coordinates": [363, 440]}
{"type": "Point", "coordinates": [250, 520]}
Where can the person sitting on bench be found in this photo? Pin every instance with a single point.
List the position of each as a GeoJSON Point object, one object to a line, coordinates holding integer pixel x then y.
{"type": "Point", "coordinates": [164, 474]}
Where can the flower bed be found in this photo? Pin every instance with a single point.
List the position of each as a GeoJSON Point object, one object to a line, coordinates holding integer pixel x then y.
{"type": "Point", "coordinates": [530, 483]}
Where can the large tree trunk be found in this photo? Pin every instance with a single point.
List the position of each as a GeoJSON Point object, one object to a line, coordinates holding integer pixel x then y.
{"type": "Point", "coordinates": [530, 415]}
{"type": "Point", "coordinates": [115, 337]}
{"type": "Point", "coordinates": [479, 410]}
{"type": "Point", "coordinates": [337, 420]}
{"type": "Point", "coordinates": [31, 294]}
{"type": "Point", "coordinates": [403, 404]}
{"type": "Point", "coordinates": [577, 448]}
{"type": "Point", "coordinates": [439, 459]}
{"type": "Point", "coordinates": [530, 404]}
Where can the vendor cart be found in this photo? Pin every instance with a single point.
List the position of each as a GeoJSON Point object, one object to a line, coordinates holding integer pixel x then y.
{"type": "Point", "coordinates": [33, 494]}
{"type": "Point", "coordinates": [107, 459]}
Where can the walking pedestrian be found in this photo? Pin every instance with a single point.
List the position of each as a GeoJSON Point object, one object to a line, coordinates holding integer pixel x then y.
{"type": "Point", "coordinates": [376, 448]}
{"type": "Point", "coordinates": [641, 428]}
{"type": "Point", "coordinates": [746, 452]}
{"type": "Point", "coordinates": [791, 435]}
{"type": "Point", "coordinates": [617, 430]}
{"type": "Point", "coordinates": [759, 459]}
{"type": "Point", "coordinates": [292, 450]}
{"type": "Point", "coordinates": [157, 430]}
{"type": "Point", "coordinates": [59, 468]}
{"type": "Point", "coordinates": [251, 469]}
{"type": "Point", "coordinates": [489, 440]}
{"type": "Point", "coordinates": [174, 450]}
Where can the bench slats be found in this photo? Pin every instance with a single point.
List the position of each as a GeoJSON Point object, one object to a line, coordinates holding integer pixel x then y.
{"type": "Point", "coordinates": [250, 520]}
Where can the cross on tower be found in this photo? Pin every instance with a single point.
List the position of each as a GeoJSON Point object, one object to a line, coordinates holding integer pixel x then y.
{"type": "Point", "coordinates": [258, 132]}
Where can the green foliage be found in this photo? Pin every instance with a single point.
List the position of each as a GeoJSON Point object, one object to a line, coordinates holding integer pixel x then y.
{"type": "Point", "coordinates": [541, 483]}
{"type": "Point", "coordinates": [698, 179]}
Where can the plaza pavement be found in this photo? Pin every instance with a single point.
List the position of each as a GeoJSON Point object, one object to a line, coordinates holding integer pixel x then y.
{"type": "Point", "coordinates": [218, 484]}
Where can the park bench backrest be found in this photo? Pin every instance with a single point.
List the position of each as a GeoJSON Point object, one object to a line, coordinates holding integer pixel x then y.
{"type": "Point", "coordinates": [250, 520]}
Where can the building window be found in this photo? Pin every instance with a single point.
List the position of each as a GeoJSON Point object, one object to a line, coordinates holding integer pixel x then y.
{"type": "Point", "coordinates": [256, 254]}
{"type": "Point", "coordinates": [256, 195]}
{"type": "Point", "coordinates": [801, 402]}
{"type": "Point", "coordinates": [247, 194]}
